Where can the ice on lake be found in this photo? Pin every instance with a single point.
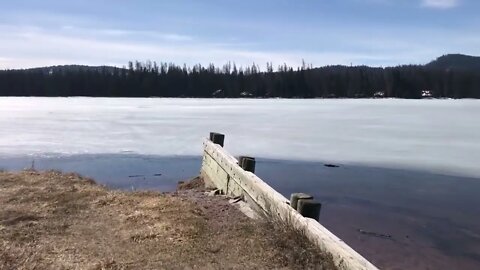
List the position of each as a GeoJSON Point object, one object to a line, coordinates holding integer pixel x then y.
{"type": "Point", "coordinates": [434, 135]}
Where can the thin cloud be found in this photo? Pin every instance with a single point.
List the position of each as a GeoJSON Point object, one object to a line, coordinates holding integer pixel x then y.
{"type": "Point", "coordinates": [440, 4]}
{"type": "Point", "coordinates": [25, 46]}
{"type": "Point", "coordinates": [29, 47]}
{"type": "Point", "coordinates": [124, 33]}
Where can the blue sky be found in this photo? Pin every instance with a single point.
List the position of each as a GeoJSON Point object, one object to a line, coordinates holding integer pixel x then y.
{"type": "Point", "coordinates": [323, 32]}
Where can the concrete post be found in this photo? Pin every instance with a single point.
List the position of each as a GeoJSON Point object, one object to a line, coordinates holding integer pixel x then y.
{"type": "Point", "coordinates": [217, 138]}
{"type": "Point", "coordinates": [248, 164]}
{"type": "Point", "coordinates": [309, 208]}
{"type": "Point", "coordinates": [298, 196]}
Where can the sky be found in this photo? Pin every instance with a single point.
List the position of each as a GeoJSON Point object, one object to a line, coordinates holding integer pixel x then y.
{"type": "Point", "coordinates": [320, 32]}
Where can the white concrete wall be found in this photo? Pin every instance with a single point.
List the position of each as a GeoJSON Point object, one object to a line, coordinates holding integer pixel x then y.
{"type": "Point", "coordinates": [221, 169]}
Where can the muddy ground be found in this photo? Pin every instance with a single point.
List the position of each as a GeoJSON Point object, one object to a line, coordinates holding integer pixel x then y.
{"type": "Point", "coordinates": [51, 220]}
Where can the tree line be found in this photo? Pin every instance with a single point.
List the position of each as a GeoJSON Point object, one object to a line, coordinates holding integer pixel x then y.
{"type": "Point", "coordinates": [149, 79]}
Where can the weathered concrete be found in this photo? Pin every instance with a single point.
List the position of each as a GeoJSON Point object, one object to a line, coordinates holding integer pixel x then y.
{"type": "Point", "coordinates": [222, 170]}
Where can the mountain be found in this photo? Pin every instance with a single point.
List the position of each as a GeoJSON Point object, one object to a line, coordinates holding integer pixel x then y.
{"type": "Point", "coordinates": [456, 61]}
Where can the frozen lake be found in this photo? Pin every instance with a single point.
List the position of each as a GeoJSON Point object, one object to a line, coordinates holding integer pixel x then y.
{"type": "Point", "coordinates": [432, 135]}
{"type": "Point", "coordinates": [408, 168]}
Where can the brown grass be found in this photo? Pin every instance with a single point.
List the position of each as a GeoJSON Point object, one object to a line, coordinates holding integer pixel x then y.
{"type": "Point", "coordinates": [196, 183]}
{"type": "Point", "coordinates": [52, 220]}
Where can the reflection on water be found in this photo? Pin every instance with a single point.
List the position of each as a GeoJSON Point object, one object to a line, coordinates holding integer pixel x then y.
{"type": "Point", "coordinates": [433, 219]}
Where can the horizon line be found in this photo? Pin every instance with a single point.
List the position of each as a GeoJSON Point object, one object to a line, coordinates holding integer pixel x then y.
{"type": "Point", "coordinates": [243, 67]}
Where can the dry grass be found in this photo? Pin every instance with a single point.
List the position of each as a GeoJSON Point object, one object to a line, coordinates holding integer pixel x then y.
{"type": "Point", "coordinates": [196, 183]}
{"type": "Point", "coordinates": [63, 221]}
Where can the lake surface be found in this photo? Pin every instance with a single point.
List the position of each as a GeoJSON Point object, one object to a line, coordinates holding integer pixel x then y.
{"type": "Point", "coordinates": [407, 168]}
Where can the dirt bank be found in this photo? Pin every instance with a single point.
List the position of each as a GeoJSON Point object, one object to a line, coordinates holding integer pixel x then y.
{"type": "Point", "coordinates": [63, 221]}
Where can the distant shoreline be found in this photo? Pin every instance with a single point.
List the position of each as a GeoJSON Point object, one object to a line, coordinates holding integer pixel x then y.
{"type": "Point", "coordinates": [246, 98]}
{"type": "Point", "coordinates": [451, 76]}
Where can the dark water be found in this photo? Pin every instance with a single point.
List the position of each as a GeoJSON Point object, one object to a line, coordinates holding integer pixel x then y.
{"type": "Point", "coordinates": [432, 220]}
{"type": "Point", "coordinates": [125, 172]}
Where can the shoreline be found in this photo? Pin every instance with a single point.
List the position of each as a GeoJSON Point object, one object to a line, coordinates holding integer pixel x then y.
{"type": "Point", "coordinates": [418, 209]}
{"type": "Point", "coordinates": [355, 198]}
{"type": "Point", "coordinates": [65, 220]}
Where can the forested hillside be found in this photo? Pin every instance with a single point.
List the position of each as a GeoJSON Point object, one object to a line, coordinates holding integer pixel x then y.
{"type": "Point", "coordinates": [454, 76]}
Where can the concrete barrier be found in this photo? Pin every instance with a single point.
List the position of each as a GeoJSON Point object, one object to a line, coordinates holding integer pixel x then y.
{"type": "Point", "coordinates": [222, 170]}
